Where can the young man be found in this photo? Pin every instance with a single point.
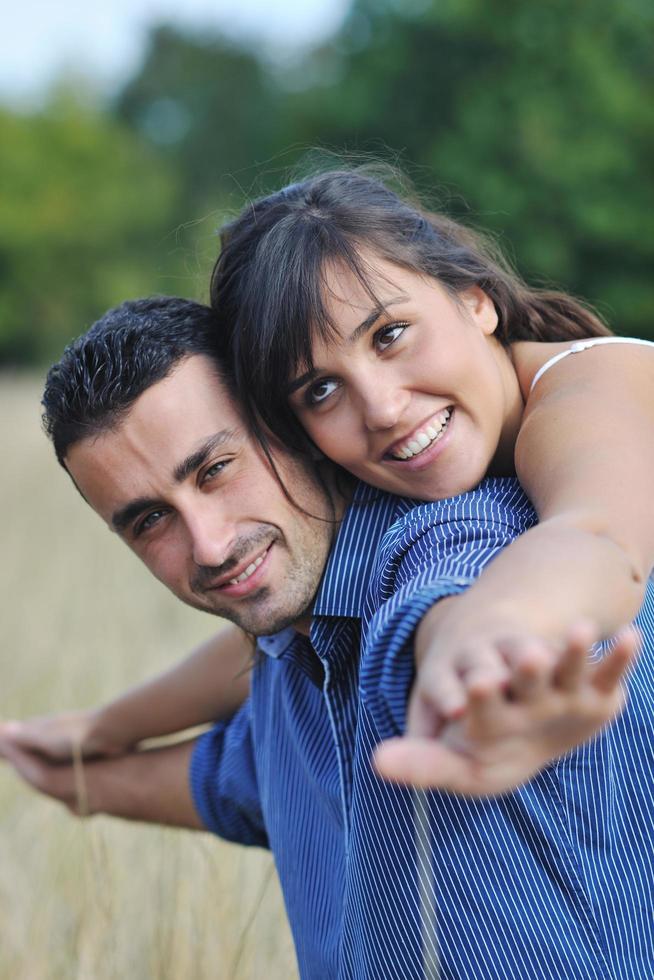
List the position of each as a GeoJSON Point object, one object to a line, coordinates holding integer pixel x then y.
{"type": "Point", "coordinates": [375, 885]}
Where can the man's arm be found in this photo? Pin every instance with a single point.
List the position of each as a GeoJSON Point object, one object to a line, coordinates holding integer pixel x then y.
{"type": "Point", "coordinates": [210, 684]}
{"type": "Point", "coordinates": [150, 786]}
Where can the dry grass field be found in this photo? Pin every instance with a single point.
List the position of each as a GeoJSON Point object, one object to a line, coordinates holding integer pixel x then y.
{"type": "Point", "coordinates": [102, 899]}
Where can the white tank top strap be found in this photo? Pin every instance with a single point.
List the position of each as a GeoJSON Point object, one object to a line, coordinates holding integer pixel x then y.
{"type": "Point", "coordinates": [580, 345]}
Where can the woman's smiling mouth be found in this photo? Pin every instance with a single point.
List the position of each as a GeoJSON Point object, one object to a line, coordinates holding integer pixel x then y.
{"type": "Point", "coordinates": [423, 437]}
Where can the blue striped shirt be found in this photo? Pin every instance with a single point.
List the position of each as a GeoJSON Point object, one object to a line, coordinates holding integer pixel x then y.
{"type": "Point", "coordinates": [553, 880]}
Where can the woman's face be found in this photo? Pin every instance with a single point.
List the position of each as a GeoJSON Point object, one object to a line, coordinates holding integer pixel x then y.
{"type": "Point", "coordinates": [415, 396]}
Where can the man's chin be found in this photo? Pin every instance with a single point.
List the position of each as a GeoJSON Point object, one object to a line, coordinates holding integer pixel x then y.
{"type": "Point", "coordinates": [258, 619]}
{"type": "Point", "coordinates": [266, 623]}
{"type": "Point", "coordinates": [258, 614]}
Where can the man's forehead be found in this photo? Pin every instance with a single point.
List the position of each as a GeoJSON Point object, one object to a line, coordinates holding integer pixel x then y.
{"type": "Point", "coordinates": [195, 385]}
{"type": "Point", "coordinates": [167, 429]}
{"type": "Point", "coordinates": [192, 395]}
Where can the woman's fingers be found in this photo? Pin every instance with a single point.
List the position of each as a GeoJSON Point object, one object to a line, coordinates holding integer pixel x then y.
{"type": "Point", "coordinates": [428, 764]}
{"type": "Point", "coordinates": [574, 658]}
{"type": "Point", "coordinates": [441, 691]}
{"type": "Point", "coordinates": [531, 662]}
{"type": "Point", "coordinates": [608, 674]}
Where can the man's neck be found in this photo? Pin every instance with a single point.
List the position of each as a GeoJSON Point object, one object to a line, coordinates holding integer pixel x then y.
{"type": "Point", "coordinates": [303, 624]}
{"type": "Point", "coordinates": [341, 497]}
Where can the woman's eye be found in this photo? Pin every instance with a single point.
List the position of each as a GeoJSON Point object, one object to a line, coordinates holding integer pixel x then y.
{"type": "Point", "coordinates": [387, 336]}
{"type": "Point", "coordinates": [321, 390]}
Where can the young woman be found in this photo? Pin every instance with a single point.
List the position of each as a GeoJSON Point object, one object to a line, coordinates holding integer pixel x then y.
{"type": "Point", "coordinates": [402, 346]}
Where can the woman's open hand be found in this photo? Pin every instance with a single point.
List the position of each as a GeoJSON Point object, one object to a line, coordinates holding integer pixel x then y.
{"type": "Point", "coordinates": [522, 705]}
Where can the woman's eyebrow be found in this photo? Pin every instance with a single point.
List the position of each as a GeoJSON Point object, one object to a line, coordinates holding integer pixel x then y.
{"type": "Point", "coordinates": [300, 381]}
{"type": "Point", "coordinates": [373, 316]}
{"type": "Point", "coordinates": [356, 334]}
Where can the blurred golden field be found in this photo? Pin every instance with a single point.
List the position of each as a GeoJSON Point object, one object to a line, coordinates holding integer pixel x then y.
{"type": "Point", "coordinates": [81, 620]}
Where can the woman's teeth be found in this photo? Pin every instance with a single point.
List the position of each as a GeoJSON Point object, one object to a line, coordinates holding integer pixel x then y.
{"type": "Point", "coordinates": [425, 437]}
{"type": "Point", "coordinates": [248, 571]}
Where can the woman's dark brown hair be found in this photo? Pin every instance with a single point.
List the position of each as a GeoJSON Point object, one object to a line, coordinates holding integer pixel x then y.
{"type": "Point", "coordinates": [268, 284]}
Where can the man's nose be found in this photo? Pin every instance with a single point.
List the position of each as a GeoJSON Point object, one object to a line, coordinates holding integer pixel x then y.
{"type": "Point", "coordinates": [212, 534]}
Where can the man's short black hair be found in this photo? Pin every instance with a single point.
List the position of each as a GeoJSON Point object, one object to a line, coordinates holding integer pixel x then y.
{"type": "Point", "coordinates": [133, 346]}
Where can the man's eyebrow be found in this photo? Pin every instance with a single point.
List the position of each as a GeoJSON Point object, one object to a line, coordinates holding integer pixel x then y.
{"type": "Point", "coordinates": [195, 460]}
{"type": "Point", "coordinates": [356, 334]}
{"type": "Point", "coordinates": [124, 516]}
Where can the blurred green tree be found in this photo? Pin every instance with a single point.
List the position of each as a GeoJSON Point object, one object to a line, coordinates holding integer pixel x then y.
{"type": "Point", "coordinates": [533, 120]}
{"type": "Point", "coordinates": [526, 118]}
{"type": "Point", "coordinates": [81, 203]}
{"type": "Point", "coordinates": [210, 108]}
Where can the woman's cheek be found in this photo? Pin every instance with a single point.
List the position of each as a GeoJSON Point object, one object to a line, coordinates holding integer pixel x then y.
{"type": "Point", "coordinates": [327, 437]}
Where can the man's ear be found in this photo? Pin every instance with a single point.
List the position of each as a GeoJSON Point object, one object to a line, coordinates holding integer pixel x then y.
{"type": "Point", "coordinates": [480, 308]}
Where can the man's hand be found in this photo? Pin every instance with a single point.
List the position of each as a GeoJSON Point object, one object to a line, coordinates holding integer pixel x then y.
{"type": "Point", "coordinates": [541, 704]}
{"type": "Point", "coordinates": [150, 785]}
{"type": "Point", "coordinates": [61, 781]}
{"type": "Point", "coordinates": [60, 737]}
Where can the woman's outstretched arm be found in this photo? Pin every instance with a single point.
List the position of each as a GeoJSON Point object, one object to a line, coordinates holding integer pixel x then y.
{"type": "Point", "coordinates": [585, 457]}
{"type": "Point", "coordinates": [209, 685]}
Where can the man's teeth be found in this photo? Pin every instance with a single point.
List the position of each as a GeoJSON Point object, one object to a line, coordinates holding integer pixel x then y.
{"type": "Point", "coordinates": [248, 571]}
{"type": "Point", "coordinates": [425, 437]}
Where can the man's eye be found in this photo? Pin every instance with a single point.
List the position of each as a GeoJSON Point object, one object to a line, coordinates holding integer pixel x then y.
{"type": "Point", "coordinates": [320, 391]}
{"type": "Point", "coordinates": [214, 470]}
{"type": "Point", "coordinates": [387, 336]}
{"type": "Point", "coordinates": [148, 522]}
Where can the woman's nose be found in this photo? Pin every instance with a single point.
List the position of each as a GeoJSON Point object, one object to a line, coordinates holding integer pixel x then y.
{"type": "Point", "coordinates": [383, 405]}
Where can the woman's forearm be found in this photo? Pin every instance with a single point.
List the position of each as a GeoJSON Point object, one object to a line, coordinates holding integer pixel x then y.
{"type": "Point", "coordinates": [210, 684]}
{"type": "Point", "coordinates": [558, 572]}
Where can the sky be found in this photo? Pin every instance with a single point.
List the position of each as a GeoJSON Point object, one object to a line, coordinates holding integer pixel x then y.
{"type": "Point", "coordinates": [104, 39]}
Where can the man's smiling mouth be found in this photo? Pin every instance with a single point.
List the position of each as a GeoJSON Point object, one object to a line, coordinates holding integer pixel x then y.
{"type": "Point", "coordinates": [250, 570]}
{"type": "Point", "coordinates": [424, 437]}
{"type": "Point", "coordinates": [250, 554]}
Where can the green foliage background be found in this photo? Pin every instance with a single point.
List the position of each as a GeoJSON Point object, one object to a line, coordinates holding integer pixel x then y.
{"type": "Point", "coordinates": [533, 120]}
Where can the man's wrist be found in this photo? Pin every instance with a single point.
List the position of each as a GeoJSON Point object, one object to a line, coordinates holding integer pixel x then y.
{"type": "Point", "coordinates": [150, 786]}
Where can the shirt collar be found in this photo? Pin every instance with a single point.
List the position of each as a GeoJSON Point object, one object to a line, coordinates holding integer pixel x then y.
{"type": "Point", "coordinates": [349, 567]}
{"type": "Point", "coordinates": [277, 644]}
{"type": "Point", "coordinates": [351, 561]}
{"type": "Point", "coordinates": [353, 556]}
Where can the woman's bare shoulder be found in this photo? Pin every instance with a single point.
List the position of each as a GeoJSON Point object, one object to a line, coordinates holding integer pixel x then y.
{"type": "Point", "coordinates": [529, 356]}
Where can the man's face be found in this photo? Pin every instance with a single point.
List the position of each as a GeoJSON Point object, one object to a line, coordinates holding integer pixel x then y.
{"type": "Point", "coordinates": [182, 481]}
